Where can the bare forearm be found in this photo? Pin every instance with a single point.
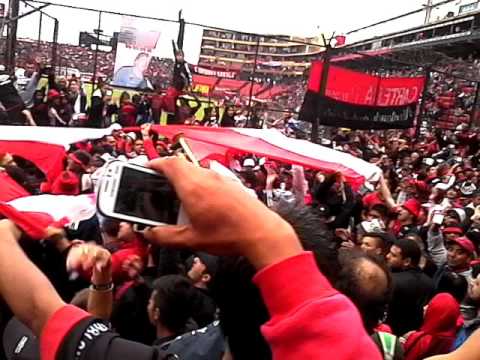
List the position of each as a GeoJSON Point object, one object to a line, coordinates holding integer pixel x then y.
{"type": "Point", "coordinates": [26, 290]}
{"type": "Point", "coordinates": [100, 304]}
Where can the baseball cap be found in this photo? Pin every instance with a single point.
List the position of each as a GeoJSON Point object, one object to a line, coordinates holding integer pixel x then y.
{"type": "Point", "coordinates": [453, 230]}
{"type": "Point", "coordinates": [19, 342]}
{"type": "Point", "coordinates": [465, 244]}
{"type": "Point", "coordinates": [249, 162]}
{"type": "Point", "coordinates": [387, 237]}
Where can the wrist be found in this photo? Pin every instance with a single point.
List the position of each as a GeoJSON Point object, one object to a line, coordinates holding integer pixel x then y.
{"type": "Point", "coordinates": [102, 287]}
{"type": "Point", "coordinates": [273, 247]}
{"type": "Point", "coordinates": [101, 279]}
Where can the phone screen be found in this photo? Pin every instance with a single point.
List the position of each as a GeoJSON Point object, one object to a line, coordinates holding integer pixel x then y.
{"type": "Point", "coordinates": [146, 196]}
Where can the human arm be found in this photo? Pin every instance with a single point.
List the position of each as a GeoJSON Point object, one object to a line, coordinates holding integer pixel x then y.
{"type": "Point", "coordinates": [98, 259]}
{"type": "Point", "coordinates": [29, 117]}
{"type": "Point", "coordinates": [27, 94]}
{"type": "Point", "coordinates": [148, 142]}
{"type": "Point", "coordinates": [54, 114]}
{"type": "Point", "coordinates": [39, 300]}
{"type": "Point", "coordinates": [468, 351]}
{"type": "Point", "coordinates": [306, 305]}
{"type": "Point", "coordinates": [387, 195]}
{"type": "Point", "coordinates": [436, 246]}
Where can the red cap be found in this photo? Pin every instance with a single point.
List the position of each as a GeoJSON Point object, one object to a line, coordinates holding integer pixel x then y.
{"type": "Point", "coordinates": [413, 207]}
{"type": "Point", "coordinates": [66, 184]}
{"type": "Point", "coordinates": [453, 230]}
{"type": "Point", "coordinates": [52, 94]}
{"type": "Point", "coordinates": [465, 244]}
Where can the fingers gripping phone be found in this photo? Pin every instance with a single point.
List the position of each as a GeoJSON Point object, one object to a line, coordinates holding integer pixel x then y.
{"type": "Point", "coordinates": [137, 194]}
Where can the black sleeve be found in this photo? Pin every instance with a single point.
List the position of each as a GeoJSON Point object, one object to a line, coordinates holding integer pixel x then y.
{"type": "Point", "coordinates": [52, 84]}
{"type": "Point", "coordinates": [91, 339]}
{"type": "Point", "coordinates": [320, 190]}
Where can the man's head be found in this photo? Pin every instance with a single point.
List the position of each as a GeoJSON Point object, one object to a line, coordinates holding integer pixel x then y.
{"type": "Point", "coordinates": [6, 159]}
{"type": "Point", "coordinates": [171, 304]}
{"type": "Point", "coordinates": [138, 147]}
{"type": "Point", "coordinates": [110, 140]}
{"type": "Point", "coordinates": [73, 87]}
{"type": "Point", "coordinates": [454, 217]}
{"type": "Point", "coordinates": [366, 281]}
{"type": "Point", "coordinates": [202, 269]}
{"type": "Point", "coordinates": [78, 161]}
{"type": "Point", "coordinates": [452, 233]}
{"type": "Point", "coordinates": [141, 62]}
{"type": "Point", "coordinates": [474, 289]}
{"type": "Point", "coordinates": [460, 252]}
{"type": "Point", "coordinates": [375, 244]}
{"type": "Point", "coordinates": [379, 212]}
{"type": "Point", "coordinates": [409, 211]}
{"type": "Point", "coordinates": [404, 254]}
{"type": "Point", "coordinates": [125, 232]}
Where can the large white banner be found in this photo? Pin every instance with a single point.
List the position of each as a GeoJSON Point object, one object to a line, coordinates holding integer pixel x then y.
{"type": "Point", "coordinates": [138, 42]}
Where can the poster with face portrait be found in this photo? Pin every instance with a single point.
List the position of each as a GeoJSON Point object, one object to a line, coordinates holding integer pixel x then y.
{"type": "Point", "coordinates": [138, 43]}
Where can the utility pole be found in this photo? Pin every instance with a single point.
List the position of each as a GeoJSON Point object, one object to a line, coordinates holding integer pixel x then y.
{"type": "Point", "coordinates": [12, 35]}
{"type": "Point", "coordinates": [428, 11]}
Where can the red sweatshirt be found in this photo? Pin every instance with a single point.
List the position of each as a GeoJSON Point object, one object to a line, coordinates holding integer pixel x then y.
{"type": "Point", "coordinates": [309, 320]}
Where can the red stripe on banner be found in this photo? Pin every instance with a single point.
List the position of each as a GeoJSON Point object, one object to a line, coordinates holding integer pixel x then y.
{"type": "Point", "coordinates": [362, 89]}
{"type": "Point", "coordinates": [223, 143]}
{"type": "Point", "coordinates": [10, 189]}
{"type": "Point", "coordinates": [47, 157]}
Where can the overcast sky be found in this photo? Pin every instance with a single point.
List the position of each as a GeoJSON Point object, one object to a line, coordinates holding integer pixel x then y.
{"type": "Point", "coordinates": [295, 17]}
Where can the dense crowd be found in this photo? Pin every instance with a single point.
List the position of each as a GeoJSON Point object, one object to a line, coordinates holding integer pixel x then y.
{"type": "Point", "coordinates": [403, 249]}
{"type": "Point", "coordinates": [287, 262]}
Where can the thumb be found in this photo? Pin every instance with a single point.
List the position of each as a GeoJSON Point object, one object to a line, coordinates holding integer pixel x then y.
{"type": "Point", "coordinates": [171, 235]}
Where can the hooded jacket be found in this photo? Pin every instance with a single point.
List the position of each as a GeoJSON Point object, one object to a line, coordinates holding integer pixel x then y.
{"type": "Point", "coordinates": [437, 334]}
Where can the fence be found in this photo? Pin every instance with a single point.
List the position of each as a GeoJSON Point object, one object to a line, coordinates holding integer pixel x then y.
{"type": "Point", "coordinates": [263, 75]}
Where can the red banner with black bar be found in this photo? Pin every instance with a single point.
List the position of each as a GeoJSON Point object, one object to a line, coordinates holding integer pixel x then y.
{"type": "Point", "coordinates": [361, 101]}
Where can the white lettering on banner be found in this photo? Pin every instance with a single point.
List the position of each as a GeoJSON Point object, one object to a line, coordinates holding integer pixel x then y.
{"type": "Point", "coordinates": [397, 96]}
{"type": "Point", "coordinates": [387, 96]}
{"type": "Point", "coordinates": [209, 72]}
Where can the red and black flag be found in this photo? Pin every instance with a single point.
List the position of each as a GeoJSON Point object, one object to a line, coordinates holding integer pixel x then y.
{"type": "Point", "coordinates": [361, 101]}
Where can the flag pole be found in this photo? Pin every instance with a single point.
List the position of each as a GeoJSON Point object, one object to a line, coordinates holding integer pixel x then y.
{"type": "Point", "coordinates": [323, 87]}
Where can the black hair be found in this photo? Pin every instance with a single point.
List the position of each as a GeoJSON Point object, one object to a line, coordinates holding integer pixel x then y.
{"type": "Point", "coordinates": [110, 226]}
{"type": "Point", "coordinates": [410, 249]}
{"type": "Point", "coordinates": [371, 301]}
{"type": "Point", "coordinates": [385, 240]}
{"type": "Point", "coordinates": [381, 209]}
{"type": "Point", "coordinates": [242, 310]}
{"type": "Point", "coordinates": [83, 156]}
{"type": "Point", "coordinates": [130, 316]}
{"type": "Point", "coordinates": [174, 297]}
{"type": "Point", "coordinates": [454, 284]}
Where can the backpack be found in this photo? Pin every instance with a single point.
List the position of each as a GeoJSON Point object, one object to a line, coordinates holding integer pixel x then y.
{"type": "Point", "coordinates": [388, 344]}
{"type": "Point", "coordinates": [202, 344]}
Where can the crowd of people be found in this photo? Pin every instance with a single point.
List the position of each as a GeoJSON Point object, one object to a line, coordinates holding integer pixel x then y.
{"type": "Point", "coordinates": [286, 262]}
{"type": "Point", "coordinates": [402, 251]}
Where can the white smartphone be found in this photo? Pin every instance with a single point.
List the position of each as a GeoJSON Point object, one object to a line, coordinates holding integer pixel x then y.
{"type": "Point", "coordinates": [437, 218]}
{"type": "Point", "coordinates": [137, 194]}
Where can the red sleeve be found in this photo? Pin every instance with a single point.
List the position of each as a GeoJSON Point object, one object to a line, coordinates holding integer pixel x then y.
{"type": "Point", "coordinates": [150, 149]}
{"type": "Point", "coordinates": [309, 319]}
{"type": "Point", "coordinates": [57, 328]}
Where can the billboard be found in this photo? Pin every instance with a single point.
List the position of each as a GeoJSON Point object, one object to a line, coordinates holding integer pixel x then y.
{"type": "Point", "coordinates": [137, 44]}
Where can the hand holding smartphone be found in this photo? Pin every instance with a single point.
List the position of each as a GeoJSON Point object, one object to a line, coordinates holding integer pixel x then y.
{"type": "Point", "coordinates": [137, 194]}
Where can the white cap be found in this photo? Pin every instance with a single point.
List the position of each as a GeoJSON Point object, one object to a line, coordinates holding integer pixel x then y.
{"type": "Point", "coordinates": [132, 136]}
{"type": "Point", "coordinates": [249, 162]}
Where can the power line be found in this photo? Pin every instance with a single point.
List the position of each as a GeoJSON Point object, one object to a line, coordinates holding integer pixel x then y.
{"type": "Point", "coordinates": [398, 17]}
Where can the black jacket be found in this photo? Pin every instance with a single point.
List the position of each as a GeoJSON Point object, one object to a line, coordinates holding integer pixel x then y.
{"type": "Point", "coordinates": [412, 290]}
